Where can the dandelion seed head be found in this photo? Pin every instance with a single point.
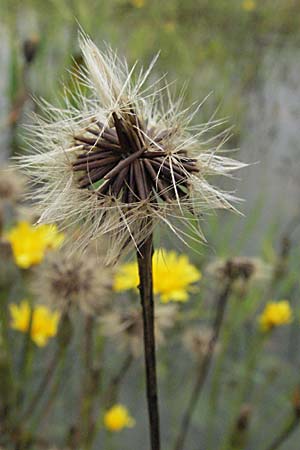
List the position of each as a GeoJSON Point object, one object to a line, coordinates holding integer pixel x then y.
{"type": "Point", "coordinates": [197, 339]}
{"type": "Point", "coordinates": [79, 280]}
{"type": "Point", "coordinates": [126, 326]}
{"type": "Point", "coordinates": [239, 268]}
{"type": "Point", "coordinates": [123, 157]}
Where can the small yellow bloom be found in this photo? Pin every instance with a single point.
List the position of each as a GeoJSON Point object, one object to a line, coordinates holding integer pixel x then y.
{"type": "Point", "coordinates": [117, 418]}
{"type": "Point", "coordinates": [138, 3]}
{"type": "Point", "coordinates": [169, 26]}
{"type": "Point", "coordinates": [29, 244]}
{"type": "Point", "coordinates": [173, 276]}
{"type": "Point", "coordinates": [275, 314]}
{"type": "Point", "coordinates": [249, 5]}
{"type": "Point", "coordinates": [43, 325]}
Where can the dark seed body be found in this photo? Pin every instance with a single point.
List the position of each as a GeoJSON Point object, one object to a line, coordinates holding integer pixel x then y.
{"type": "Point", "coordinates": [130, 165]}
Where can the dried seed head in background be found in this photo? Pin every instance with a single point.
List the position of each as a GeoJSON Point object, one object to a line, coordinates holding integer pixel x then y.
{"type": "Point", "coordinates": [197, 339]}
{"type": "Point", "coordinates": [123, 158]}
{"type": "Point", "coordinates": [239, 268]}
{"type": "Point", "coordinates": [80, 281]}
{"type": "Point", "coordinates": [126, 326]}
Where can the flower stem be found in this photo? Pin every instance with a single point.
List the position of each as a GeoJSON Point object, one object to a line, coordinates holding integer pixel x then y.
{"type": "Point", "coordinates": [204, 368]}
{"type": "Point", "coordinates": [144, 258]}
{"type": "Point", "coordinates": [284, 435]}
{"type": "Point", "coordinates": [114, 385]}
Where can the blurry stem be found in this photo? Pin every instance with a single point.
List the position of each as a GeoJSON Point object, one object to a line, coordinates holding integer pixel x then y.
{"type": "Point", "coordinates": [7, 387]}
{"type": "Point", "coordinates": [46, 380]}
{"type": "Point", "coordinates": [216, 380]}
{"type": "Point", "coordinates": [111, 394]}
{"type": "Point", "coordinates": [290, 427]}
{"type": "Point", "coordinates": [44, 383]}
{"type": "Point", "coordinates": [113, 387]}
{"type": "Point", "coordinates": [86, 404]}
{"type": "Point", "coordinates": [202, 371]}
{"type": "Point", "coordinates": [144, 258]}
{"type": "Point", "coordinates": [246, 384]}
{"type": "Point", "coordinates": [24, 361]}
{"type": "Point", "coordinates": [54, 391]}
{"type": "Point", "coordinates": [64, 336]}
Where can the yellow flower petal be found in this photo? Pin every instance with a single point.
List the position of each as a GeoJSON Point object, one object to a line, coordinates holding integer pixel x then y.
{"type": "Point", "coordinates": [44, 323]}
{"type": "Point", "coordinates": [173, 276]}
{"type": "Point", "coordinates": [275, 314]}
{"type": "Point", "coordinates": [29, 244]}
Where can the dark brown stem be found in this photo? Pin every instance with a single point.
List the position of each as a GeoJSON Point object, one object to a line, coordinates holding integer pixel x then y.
{"type": "Point", "coordinates": [203, 369]}
{"type": "Point", "coordinates": [144, 257]}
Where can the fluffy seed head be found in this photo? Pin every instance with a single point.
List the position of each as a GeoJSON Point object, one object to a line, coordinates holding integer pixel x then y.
{"type": "Point", "coordinates": [126, 326]}
{"type": "Point", "coordinates": [79, 281]}
{"type": "Point", "coordinates": [197, 340]}
{"type": "Point", "coordinates": [121, 155]}
{"type": "Point", "coordinates": [239, 268]}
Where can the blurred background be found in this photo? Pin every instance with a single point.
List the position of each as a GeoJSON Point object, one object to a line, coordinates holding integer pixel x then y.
{"type": "Point", "coordinates": [243, 55]}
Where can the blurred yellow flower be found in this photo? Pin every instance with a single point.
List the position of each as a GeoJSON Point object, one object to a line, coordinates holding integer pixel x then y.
{"type": "Point", "coordinates": [275, 314]}
{"type": "Point", "coordinates": [29, 243]}
{"type": "Point", "coordinates": [169, 26]}
{"type": "Point", "coordinates": [117, 418]}
{"type": "Point", "coordinates": [173, 275]}
{"type": "Point", "coordinates": [44, 321]}
{"type": "Point", "coordinates": [138, 3]}
{"type": "Point", "coordinates": [127, 277]}
{"type": "Point", "coordinates": [249, 5]}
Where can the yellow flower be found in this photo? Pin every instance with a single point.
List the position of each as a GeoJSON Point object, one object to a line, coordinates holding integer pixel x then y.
{"type": "Point", "coordinates": [249, 5]}
{"type": "Point", "coordinates": [43, 325]}
{"type": "Point", "coordinates": [169, 26]}
{"type": "Point", "coordinates": [29, 244]}
{"type": "Point", "coordinates": [138, 3]}
{"type": "Point", "coordinates": [173, 275]}
{"type": "Point", "coordinates": [275, 314]}
{"type": "Point", "coordinates": [127, 277]}
{"type": "Point", "coordinates": [117, 418]}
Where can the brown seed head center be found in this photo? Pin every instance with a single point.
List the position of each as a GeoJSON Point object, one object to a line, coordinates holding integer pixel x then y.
{"type": "Point", "coordinates": [124, 161]}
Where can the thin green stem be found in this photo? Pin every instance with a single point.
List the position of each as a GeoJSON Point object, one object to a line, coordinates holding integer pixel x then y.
{"type": "Point", "coordinates": [114, 385]}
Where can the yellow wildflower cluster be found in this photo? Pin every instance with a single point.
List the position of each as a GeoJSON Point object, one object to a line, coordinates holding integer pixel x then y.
{"type": "Point", "coordinates": [275, 314]}
{"type": "Point", "coordinates": [44, 322]}
{"type": "Point", "coordinates": [173, 276]}
{"type": "Point", "coordinates": [117, 418]}
{"type": "Point", "coordinates": [29, 243]}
